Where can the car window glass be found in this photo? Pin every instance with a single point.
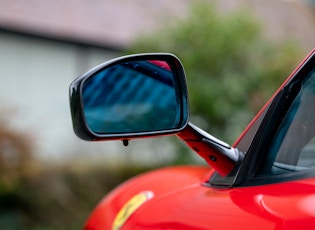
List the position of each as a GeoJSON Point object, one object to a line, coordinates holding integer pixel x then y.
{"type": "Point", "coordinates": [293, 147]}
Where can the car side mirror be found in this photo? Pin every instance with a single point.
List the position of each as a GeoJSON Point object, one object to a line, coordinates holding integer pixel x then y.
{"type": "Point", "coordinates": [132, 96]}
{"type": "Point", "coordinates": [142, 95]}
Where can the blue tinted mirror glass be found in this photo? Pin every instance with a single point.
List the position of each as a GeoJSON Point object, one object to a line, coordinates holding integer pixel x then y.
{"type": "Point", "coordinates": [131, 97]}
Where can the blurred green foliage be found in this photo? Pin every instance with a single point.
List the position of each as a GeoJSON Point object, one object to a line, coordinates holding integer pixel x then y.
{"type": "Point", "coordinates": [59, 197]}
{"type": "Point", "coordinates": [36, 196]}
{"type": "Point", "coordinates": [231, 68]}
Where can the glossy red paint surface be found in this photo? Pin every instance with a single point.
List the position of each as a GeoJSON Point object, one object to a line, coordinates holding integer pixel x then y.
{"type": "Point", "coordinates": [182, 201]}
{"type": "Point", "coordinates": [160, 182]}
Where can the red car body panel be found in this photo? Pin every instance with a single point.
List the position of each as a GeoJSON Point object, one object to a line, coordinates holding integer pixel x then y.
{"type": "Point", "coordinates": [183, 200]}
{"type": "Point", "coordinates": [162, 183]}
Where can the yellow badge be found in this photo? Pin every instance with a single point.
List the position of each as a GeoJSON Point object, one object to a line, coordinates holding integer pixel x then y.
{"type": "Point", "coordinates": [130, 207]}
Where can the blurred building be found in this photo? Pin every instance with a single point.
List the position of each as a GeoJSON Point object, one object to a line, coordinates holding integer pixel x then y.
{"type": "Point", "coordinates": [44, 45]}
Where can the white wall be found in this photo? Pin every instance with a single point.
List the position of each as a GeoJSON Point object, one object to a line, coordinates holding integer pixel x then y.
{"type": "Point", "coordinates": [35, 75]}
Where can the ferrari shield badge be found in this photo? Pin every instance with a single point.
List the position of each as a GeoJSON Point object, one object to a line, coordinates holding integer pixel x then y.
{"type": "Point", "coordinates": [130, 207]}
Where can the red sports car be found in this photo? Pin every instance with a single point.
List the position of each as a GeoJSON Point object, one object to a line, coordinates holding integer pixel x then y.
{"type": "Point", "coordinates": [266, 180]}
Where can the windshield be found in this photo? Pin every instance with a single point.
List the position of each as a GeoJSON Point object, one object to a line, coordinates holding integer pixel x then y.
{"type": "Point", "coordinates": [293, 147]}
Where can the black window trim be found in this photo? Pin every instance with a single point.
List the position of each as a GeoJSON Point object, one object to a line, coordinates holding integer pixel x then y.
{"type": "Point", "coordinates": [245, 175]}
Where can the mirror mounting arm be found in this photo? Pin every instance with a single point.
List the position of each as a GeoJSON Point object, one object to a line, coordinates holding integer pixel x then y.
{"type": "Point", "coordinates": [219, 155]}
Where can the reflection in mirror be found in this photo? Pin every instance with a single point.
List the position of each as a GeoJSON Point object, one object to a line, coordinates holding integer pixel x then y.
{"type": "Point", "coordinates": [130, 97]}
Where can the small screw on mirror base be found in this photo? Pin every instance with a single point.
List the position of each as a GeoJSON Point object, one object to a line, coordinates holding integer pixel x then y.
{"type": "Point", "coordinates": [125, 142]}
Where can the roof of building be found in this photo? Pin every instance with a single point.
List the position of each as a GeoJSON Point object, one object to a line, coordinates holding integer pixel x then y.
{"type": "Point", "coordinates": [115, 23]}
{"type": "Point", "coordinates": [99, 22]}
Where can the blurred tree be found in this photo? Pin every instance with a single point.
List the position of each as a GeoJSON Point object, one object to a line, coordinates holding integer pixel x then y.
{"type": "Point", "coordinates": [231, 69]}
{"type": "Point", "coordinates": [15, 165]}
{"type": "Point", "coordinates": [34, 195]}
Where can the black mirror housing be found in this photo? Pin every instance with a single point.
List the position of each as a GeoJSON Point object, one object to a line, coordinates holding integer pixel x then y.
{"type": "Point", "coordinates": [133, 96]}
{"type": "Point", "coordinates": [138, 96]}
